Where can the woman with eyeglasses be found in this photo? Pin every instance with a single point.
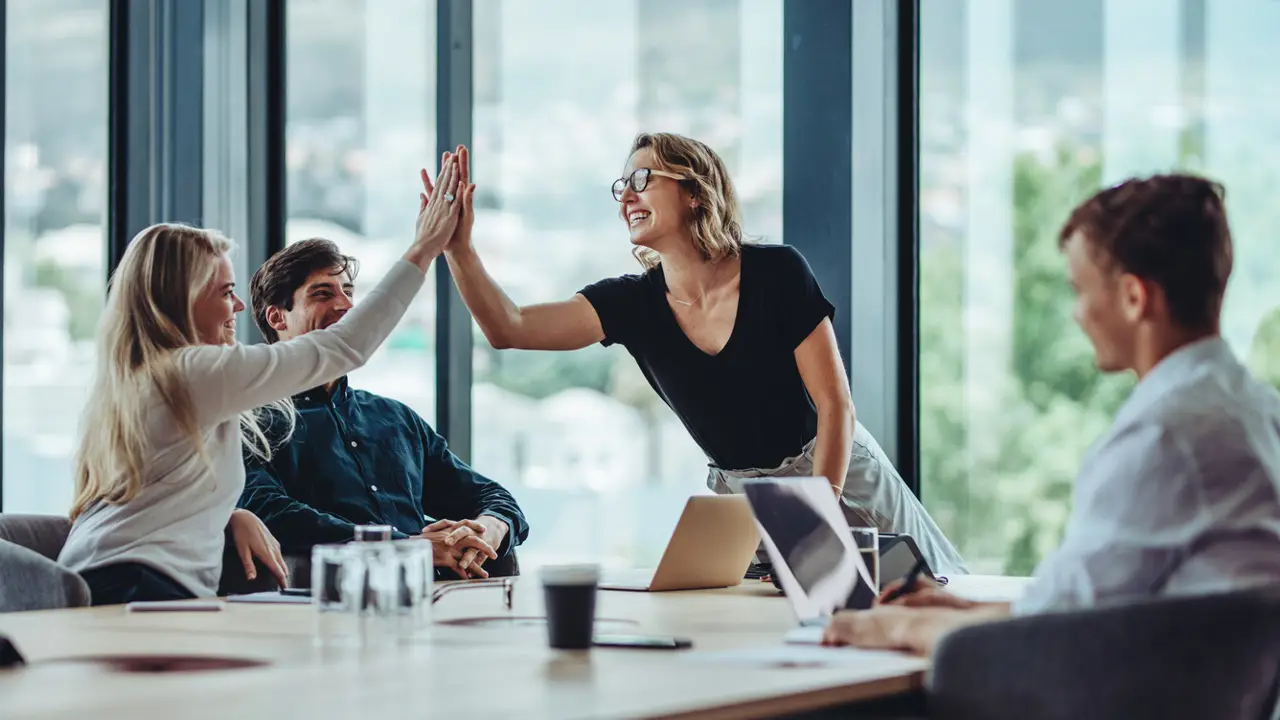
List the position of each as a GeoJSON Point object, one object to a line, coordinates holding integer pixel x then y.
{"type": "Point", "coordinates": [736, 338]}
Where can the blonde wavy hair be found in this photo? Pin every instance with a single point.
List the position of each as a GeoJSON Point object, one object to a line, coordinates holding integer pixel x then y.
{"type": "Point", "coordinates": [716, 225]}
{"type": "Point", "coordinates": [148, 318]}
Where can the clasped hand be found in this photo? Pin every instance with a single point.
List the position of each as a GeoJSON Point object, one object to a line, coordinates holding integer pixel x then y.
{"type": "Point", "coordinates": [460, 546]}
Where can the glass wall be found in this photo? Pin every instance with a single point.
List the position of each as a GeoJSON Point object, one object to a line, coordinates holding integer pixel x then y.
{"type": "Point", "coordinates": [360, 122]}
{"type": "Point", "coordinates": [1026, 108]}
{"type": "Point", "coordinates": [55, 171]}
{"type": "Point", "coordinates": [600, 465]}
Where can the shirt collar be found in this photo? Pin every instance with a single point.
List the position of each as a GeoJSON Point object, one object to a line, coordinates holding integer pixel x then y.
{"type": "Point", "coordinates": [1212, 350]}
{"type": "Point", "coordinates": [318, 396]}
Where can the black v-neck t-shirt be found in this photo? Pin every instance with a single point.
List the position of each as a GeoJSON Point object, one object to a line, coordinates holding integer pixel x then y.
{"type": "Point", "coordinates": [745, 406]}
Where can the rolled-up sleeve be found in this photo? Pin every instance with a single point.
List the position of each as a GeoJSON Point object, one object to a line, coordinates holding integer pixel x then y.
{"type": "Point", "coordinates": [1137, 507]}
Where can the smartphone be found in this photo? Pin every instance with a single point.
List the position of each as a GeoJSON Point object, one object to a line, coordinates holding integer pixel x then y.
{"type": "Point", "coordinates": [297, 592]}
{"type": "Point", "coordinates": [646, 642]}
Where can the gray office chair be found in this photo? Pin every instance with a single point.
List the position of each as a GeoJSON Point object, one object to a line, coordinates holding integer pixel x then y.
{"type": "Point", "coordinates": [30, 576]}
{"type": "Point", "coordinates": [33, 580]}
{"type": "Point", "coordinates": [1191, 657]}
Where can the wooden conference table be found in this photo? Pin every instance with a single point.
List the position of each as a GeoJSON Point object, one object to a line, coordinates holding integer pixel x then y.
{"type": "Point", "coordinates": [477, 660]}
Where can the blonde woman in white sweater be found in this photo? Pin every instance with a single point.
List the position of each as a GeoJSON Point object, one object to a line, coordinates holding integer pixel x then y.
{"type": "Point", "coordinates": [159, 467]}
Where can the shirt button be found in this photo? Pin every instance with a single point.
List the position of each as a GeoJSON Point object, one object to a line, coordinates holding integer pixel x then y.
{"type": "Point", "coordinates": [354, 444]}
{"type": "Point", "coordinates": [373, 488]}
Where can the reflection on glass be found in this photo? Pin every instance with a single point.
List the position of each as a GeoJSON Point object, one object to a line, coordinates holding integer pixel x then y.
{"type": "Point", "coordinates": [360, 123]}
{"type": "Point", "coordinates": [55, 150]}
{"type": "Point", "coordinates": [1027, 108]}
{"type": "Point", "coordinates": [561, 89]}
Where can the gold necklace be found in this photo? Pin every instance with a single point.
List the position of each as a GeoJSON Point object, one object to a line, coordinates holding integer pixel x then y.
{"type": "Point", "coordinates": [688, 303]}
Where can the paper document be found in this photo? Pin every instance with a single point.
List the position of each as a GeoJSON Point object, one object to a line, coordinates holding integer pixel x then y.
{"type": "Point", "coordinates": [805, 635]}
{"type": "Point", "coordinates": [795, 656]}
{"type": "Point", "coordinates": [988, 588]}
{"type": "Point", "coordinates": [174, 606]}
{"type": "Point", "coordinates": [271, 596]}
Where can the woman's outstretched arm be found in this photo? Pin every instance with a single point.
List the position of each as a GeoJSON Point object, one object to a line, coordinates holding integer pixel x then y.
{"type": "Point", "coordinates": [567, 325]}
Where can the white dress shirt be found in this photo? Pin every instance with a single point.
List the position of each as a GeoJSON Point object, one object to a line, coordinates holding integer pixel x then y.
{"type": "Point", "coordinates": [1180, 497]}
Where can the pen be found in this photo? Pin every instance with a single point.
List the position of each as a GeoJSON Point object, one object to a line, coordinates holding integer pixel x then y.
{"type": "Point", "coordinates": [907, 583]}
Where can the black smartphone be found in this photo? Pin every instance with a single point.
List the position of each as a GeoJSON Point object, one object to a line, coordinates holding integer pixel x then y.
{"type": "Point", "coordinates": [645, 642]}
{"type": "Point", "coordinates": [299, 592]}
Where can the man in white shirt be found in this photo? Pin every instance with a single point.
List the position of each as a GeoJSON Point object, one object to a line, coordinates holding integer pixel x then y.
{"type": "Point", "coordinates": [1182, 495]}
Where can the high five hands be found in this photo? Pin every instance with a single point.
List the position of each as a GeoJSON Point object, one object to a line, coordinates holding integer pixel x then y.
{"type": "Point", "coordinates": [464, 196]}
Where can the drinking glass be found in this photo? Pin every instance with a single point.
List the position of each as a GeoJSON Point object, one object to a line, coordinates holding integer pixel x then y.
{"type": "Point", "coordinates": [867, 541]}
{"type": "Point", "coordinates": [372, 533]}
{"type": "Point", "coordinates": [371, 594]}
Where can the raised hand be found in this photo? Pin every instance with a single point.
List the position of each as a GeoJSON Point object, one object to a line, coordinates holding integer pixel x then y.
{"type": "Point", "coordinates": [438, 215]}
{"type": "Point", "coordinates": [461, 239]}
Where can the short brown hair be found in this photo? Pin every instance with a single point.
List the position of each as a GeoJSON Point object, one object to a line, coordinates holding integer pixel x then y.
{"type": "Point", "coordinates": [283, 273]}
{"type": "Point", "coordinates": [1169, 229]}
{"type": "Point", "coordinates": [717, 220]}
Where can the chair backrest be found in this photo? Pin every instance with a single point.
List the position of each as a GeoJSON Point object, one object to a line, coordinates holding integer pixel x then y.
{"type": "Point", "coordinates": [44, 534]}
{"type": "Point", "coordinates": [1207, 656]}
{"type": "Point", "coordinates": [32, 581]}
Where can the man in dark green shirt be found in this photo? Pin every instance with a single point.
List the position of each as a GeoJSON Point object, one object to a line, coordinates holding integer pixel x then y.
{"type": "Point", "coordinates": [356, 458]}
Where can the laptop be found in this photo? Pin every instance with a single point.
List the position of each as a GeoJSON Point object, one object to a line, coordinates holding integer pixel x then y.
{"type": "Point", "coordinates": [811, 550]}
{"type": "Point", "coordinates": [712, 545]}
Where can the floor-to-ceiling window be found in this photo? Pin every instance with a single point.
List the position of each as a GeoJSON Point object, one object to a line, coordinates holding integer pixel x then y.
{"type": "Point", "coordinates": [360, 115]}
{"type": "Point", "coordinates": [1026, 108]}
{"type": "Point", "coordinates": [561, 89]}
{"type": "Point", "coordinates": [55, 170]}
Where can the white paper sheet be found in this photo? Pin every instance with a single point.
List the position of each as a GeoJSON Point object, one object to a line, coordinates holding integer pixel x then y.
{"type": "Point", "coordinates": [271, 596]}
{"type": "Point", "coordinates": [794, 656]}
{"type": "Point", "coordinates": [805, 635]}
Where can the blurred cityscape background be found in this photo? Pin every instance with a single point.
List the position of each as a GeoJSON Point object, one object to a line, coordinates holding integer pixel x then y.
{"type": "Point", "coordinates": [1026, 107]}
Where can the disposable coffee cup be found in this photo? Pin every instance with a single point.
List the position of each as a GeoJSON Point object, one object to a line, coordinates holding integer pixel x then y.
{"type": "Point", "coordinates": [570, 598]}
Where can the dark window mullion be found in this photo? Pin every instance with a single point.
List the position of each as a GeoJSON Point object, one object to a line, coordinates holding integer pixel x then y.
{"type": "Point", "coordinates": [454, 107]}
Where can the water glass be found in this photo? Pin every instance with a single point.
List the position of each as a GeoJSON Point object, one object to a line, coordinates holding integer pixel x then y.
{"type": "Point", "coordinates": [371, 594]}
{"type": "Point", "coordinates": [372, 533]}
{"type": "Point", "coordinates": [867, 541]}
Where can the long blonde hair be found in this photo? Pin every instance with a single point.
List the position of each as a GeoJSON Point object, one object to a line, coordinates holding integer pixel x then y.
{"type": "Point", "coordinates": [149, 316]}
{"type": "Point", "coordinates": [716, 225]}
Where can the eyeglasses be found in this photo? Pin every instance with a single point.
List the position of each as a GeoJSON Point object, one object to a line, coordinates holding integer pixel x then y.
{"type": "Point", "coordinates": [639, 180]}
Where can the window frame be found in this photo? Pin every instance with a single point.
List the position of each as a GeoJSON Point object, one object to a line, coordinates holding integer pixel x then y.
{"type": "Point", "coordinates": [210, 104]}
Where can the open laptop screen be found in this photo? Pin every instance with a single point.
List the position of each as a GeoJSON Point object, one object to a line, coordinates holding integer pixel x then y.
{"type": "Point", "coordinates": [809, 543]}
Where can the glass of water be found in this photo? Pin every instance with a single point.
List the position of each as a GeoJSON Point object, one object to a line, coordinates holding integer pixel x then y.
{"type": "Point", "coordinates": [372, 533]}
{"type": "Point", "coordinates": [867, 541]}
{"type": "Point", "coordinates": [371, 594]}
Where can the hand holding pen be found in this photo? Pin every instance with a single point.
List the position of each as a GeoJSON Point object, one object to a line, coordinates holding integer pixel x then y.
{"type": "Point", "coordinates": [915, 591]}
